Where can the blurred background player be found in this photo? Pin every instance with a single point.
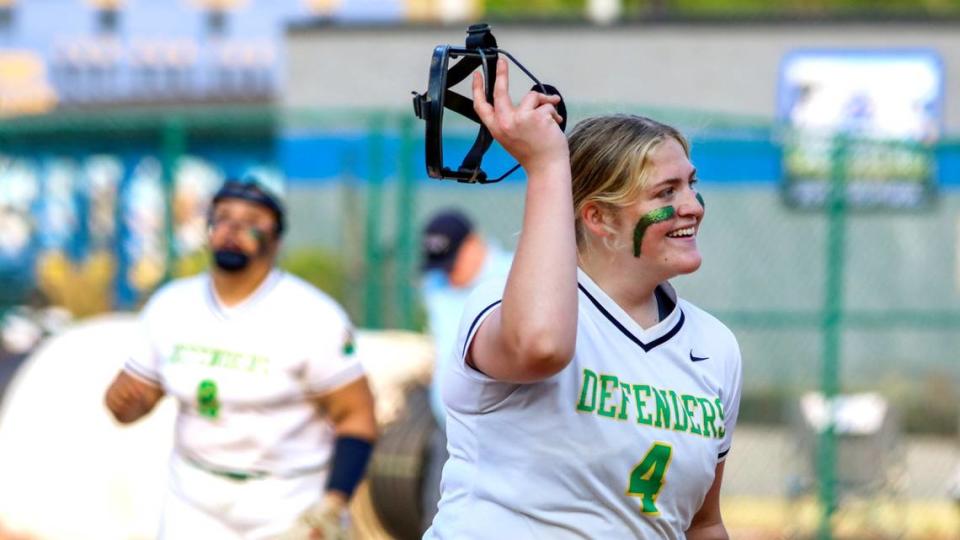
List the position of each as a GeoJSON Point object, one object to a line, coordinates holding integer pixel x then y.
{"type": "Point", "coordinates": [275, 418]}
{"type": "Point", "coordinates": [587, 400]}
{"type": "Point", "coordinates": [456, 258]}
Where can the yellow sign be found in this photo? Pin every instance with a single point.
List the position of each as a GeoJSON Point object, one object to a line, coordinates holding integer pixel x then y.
{"type": "Point", "coordinates": [110, 5]}
{"type": "Point", "coordinates": [323, 7]}
{"type": "Point", "coordinates": [24, 88]}
{"type": "Point", "coordinates": [443, 10]}
{"type": "Point", "coordinates": [218, 5]}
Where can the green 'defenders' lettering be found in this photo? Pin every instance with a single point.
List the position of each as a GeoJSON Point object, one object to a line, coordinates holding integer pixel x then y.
{"type": "Point", "coordinates": [588, 391]}
{"type": "Point", "coordinates": [663, 409]}
{"type": "Point", "coordinates": [609, 396]}
{"type": "Point", "coordinates": [646, 478]}
{"type": "Point", "coordinates": [624, 398]}
{"type": "Point", "coordinates": [709, 415]}
{"type": "Point", "coordinates": [605, 381]}
{"type": "Point", "coordinates": [218, 358]}
{"type": "Point", "coordinates": [721, 429]}
{"type": "Point", "coordinates": [642, 418]}
{"type": "Point", "coordinates": [689, 400]}
{"type": "Point", "coordinates": [258, 364]}
{"type": "Point", "coordinates": [681, 413]}
{"type": "Point", "coordinates": [230, 360]}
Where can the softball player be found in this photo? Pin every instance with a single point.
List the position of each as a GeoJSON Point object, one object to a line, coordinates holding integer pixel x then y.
{"type": "Point", "coordinates": [275, 420]}
{"type": "Point", "coordinates": [586, 400]}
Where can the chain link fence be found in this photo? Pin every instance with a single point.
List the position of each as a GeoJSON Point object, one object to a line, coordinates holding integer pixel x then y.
{"type": "Point", "coordinates": [824, 300]}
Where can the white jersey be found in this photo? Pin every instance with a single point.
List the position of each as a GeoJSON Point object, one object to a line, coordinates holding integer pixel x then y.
{"type": "Point", "coordinates": [623, 443]}
{"type": "Point", "coordinates": [245, 376]}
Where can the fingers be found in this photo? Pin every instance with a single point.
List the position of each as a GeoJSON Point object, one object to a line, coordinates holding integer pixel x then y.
{"type": "Point", "coordinates": [480, 104]}
{"type": "Point", "coordinates": [501, 89]}
{"type": "Point", "coordinates": [535, 99]}
{"type": "Point", "coordinates": [548, 108]}
{"type": "Point", "coordinates": [502, 104]}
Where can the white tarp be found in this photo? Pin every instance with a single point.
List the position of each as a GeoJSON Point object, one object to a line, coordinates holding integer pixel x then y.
{"type": "Point", "coordinates": [68, 471]}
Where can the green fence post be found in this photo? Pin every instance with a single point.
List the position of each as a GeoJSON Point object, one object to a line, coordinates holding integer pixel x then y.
{"type": "Point", "coordinates": [373, 297]}
{"type": "Point", "coordinates": [832, 331]}
{"type": "Point", "coordinates": [406, 255]}
{"type": "Point", "coordinates": [173, 143]}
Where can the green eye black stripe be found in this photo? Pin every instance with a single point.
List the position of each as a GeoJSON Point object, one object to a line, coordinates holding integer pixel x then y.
{"type": "Point", "coordinates": [700, 198]}
{"type": "Point", "coordinates": [654, 216]}
{"type": "Point", "coordinates": [257, 234]}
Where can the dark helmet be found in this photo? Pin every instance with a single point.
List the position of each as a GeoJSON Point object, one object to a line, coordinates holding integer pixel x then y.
{"type": "Point", "coordinates": [256, 188]}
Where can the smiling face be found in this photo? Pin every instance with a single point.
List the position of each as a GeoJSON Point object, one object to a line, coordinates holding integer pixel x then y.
{"type": "Point", "coordinates": [636, 205]}
{"type": "Point", "coordinates": [665, 240]}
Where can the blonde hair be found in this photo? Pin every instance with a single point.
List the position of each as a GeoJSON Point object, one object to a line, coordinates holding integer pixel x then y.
{"type": "Point", "coordinates": [609, 157]}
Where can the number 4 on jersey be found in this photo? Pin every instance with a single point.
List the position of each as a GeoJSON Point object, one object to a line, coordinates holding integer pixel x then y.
{"type": "Point", "coordinates": [646, 478]}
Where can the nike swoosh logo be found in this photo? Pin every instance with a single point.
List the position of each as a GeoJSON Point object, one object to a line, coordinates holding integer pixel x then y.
{"type": "Point", "coordinates": [697, 358]}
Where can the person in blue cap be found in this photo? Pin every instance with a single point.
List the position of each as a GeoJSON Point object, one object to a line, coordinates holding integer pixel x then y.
{"type": "Point", "coordinates": [456, 258]}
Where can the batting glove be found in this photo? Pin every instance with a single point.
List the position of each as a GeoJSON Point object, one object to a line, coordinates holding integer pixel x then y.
{"type": "Point", "coordinates": [322, 521]}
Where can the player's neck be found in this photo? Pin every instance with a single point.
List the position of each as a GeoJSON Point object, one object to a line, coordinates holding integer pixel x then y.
{"type": "Point", "coordinates": [232, 288]}
{"type": "Point", "coordinates": [632, 291]}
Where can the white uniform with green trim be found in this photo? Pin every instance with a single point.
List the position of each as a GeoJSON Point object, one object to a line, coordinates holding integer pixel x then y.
{"type": "Point", "coordinates": [251, 450]}
{"type": "Point", "coordinates": [623, 443]}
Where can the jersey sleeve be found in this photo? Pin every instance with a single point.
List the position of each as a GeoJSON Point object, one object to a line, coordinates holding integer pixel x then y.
{"type": "Point", "coordinates": [482, 302]}
{"type": "Point", "coordinates": [463, 388]}
{"type": "Point", "coordinates": [331, 353]}
{"type": "Point", "coordinates": [731, 399]}
{"type": "Point", "coordinates": [144, 358]}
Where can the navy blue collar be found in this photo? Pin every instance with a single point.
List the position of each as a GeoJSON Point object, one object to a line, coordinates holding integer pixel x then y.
{"type": "Point", "coordinates": [647, 347]}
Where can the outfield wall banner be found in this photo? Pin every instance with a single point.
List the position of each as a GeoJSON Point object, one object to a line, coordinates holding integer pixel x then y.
{"type": "Point", "coordinates": [877, 114]}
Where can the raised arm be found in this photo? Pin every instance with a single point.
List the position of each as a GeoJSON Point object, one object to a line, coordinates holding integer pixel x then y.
{"type": "Point", "coordinates": [130, 399]}
{"type": "Point", "coordinates": [532, 334]}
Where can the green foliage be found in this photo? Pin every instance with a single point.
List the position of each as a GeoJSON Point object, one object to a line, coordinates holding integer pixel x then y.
{"type": "Point", "coordinates": [765, 406]}
{"type": "Point", "coordinates": [322, 268]}
{"type": "Point", "coordinates": [925, 407]}
{"type": "Point", "coordinates": [534, 8]}
{"type": "Point", "coordinates": [936, 418]}
{"type": "Point", "coordinates": [702, 8]}
{"type": "Point", "coordinates": [824, 7]}
{"type": "Point", "coordinates": [192, 264]}
{"type": "Point", "coordinates": [927, 400]}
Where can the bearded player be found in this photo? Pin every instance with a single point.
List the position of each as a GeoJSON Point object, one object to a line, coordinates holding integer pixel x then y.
{"type": "Point", "coordinates": [275, 420]}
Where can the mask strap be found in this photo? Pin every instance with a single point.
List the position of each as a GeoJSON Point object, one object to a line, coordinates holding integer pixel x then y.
{"type": "Point", "coordinates": [481, 51]}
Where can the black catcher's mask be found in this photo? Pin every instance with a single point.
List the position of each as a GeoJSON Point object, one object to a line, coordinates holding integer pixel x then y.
{"type": "Point", "coordinates": [481, 51]}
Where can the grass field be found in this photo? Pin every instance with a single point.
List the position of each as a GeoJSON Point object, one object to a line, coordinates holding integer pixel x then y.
{"type": "Point", "coordinates": [763, 460]}
{"type": "Point", "coordinates": [764, 518]}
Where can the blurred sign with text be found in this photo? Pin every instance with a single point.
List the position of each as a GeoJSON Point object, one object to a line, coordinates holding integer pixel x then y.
{"type": "Point", "coordinates": [870, 116]}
